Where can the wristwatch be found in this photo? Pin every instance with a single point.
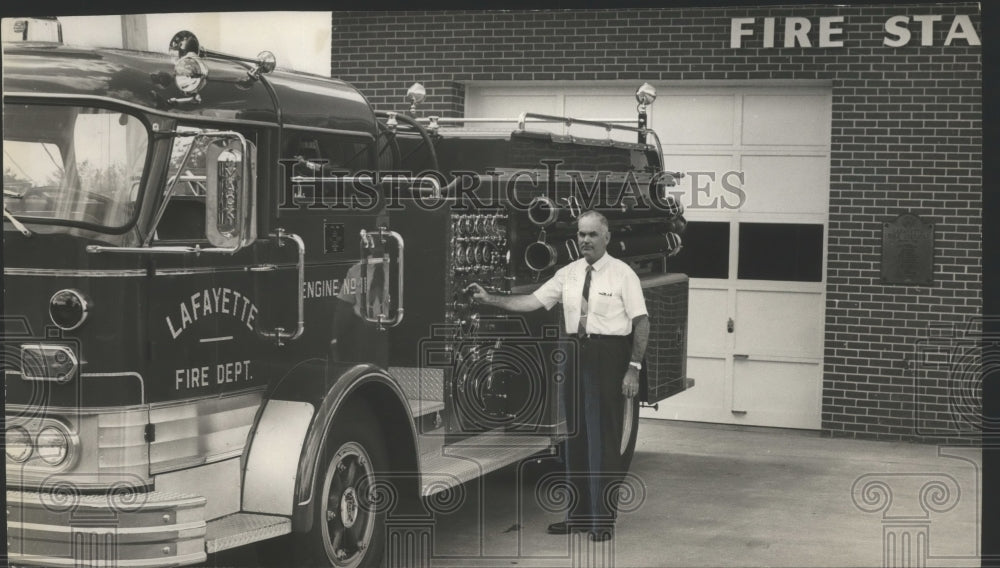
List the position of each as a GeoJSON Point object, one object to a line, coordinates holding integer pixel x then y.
{"type": "Point", "coordinates": [636, 364]}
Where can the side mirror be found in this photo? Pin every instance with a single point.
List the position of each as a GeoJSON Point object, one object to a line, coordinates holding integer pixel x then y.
{"type": "Point", "coordinates": [230, 204]}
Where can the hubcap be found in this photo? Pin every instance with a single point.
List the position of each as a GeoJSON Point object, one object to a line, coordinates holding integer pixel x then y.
{"type": "Point", "coordinates": [350, 510]}
{"type": "Point", "coordinates": [349, 507]}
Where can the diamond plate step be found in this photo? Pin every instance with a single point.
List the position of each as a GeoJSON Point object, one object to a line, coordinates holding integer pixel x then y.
{"type": "Point", "coordinates": [421, 407]}
{"type": "Point", "coordinates": [240, 529]}
{"type": "Point", "coordinates": [473, 457]}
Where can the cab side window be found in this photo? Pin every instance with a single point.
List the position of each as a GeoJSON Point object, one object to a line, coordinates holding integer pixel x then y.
{"type": "Point", "coordinates": [333, 153]}
{"type": "Point", "coordinates": [308, 154]}
{"type": "Point", "coordinates": [183, 219]}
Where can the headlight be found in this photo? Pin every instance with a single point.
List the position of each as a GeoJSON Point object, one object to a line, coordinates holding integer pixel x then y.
{"type": "Point", "coordinates": [68, 309]}
{"type": "Point", "coordinates": [52, 445]}
{"type": "Point", "coordinates": [190, 74]}
{"type": "Point", "coordinates": [18, 443]}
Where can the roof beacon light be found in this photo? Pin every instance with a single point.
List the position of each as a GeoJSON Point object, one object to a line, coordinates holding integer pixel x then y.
{"type": "Point", "coordinates": [645, 94]}
{"type": "Point", "coordinates": [183, 43]}
{"type": "Point", "coordinates": [416, 95]}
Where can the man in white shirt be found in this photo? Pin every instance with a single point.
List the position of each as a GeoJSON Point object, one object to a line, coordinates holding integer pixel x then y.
{"type": "Point", "coordinates": [603, 305]}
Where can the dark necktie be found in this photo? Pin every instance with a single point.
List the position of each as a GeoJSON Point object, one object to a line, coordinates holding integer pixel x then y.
{"type": "Point", "coordinates": [585, 302]}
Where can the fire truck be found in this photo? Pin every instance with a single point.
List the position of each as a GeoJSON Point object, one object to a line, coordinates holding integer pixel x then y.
{"type": "Point", "coordinates": [236, 309]}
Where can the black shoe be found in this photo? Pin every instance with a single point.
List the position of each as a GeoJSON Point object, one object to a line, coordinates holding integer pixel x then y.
{"type": "Point", "coordinates": [602, 534]}
{"type": "Point", "coordinates": [563, 527]}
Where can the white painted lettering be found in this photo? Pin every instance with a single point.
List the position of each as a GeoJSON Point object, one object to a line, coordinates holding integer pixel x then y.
{"type": "Point", "coordinates": [185, 316]}
{"type": "Point", "coordinates": [173, 332]}
{"type": "Point", "coordinates": [968, 31]}
{"type": "Point", "coordinates": [827, 31]}
{"type": "Point", "coordinates": [768, 32]}
{"type": "Point", "coordinates": [926, 28]}
{"type": "Point", "coordinates": [738, 31]}
{"type": "Point", "coordinates": [195, 304]}
{"type": "Point", "coordinates": [896, 26]}
{"type": "Point", "coordinates": [225, 300]}
{"type": "Point", "coordinates": [251, 317]}
{"type": "Point", "coordinates": [216, 295]}
{"type": "Point", "coordinates": [797, 32]}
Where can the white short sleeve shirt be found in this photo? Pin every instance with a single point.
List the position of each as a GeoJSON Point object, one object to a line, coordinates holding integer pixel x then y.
{"type": "Point", "coordinates": [615, 295]}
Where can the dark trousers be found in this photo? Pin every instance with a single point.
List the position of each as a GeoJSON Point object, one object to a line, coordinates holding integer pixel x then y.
{"type": "Point", "coordinates": [595, 410]}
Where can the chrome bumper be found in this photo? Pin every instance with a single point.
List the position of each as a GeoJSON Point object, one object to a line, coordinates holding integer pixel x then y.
{"type": "Point", "coordinates": [136, 529]}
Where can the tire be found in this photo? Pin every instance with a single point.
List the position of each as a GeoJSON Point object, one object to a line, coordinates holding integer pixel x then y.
{"type": "Point", "coordinates": [630, 431]}
{"type": "Point", "coordinates": [348, 529]}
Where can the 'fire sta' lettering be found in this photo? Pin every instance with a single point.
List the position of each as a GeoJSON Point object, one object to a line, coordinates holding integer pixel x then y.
{"type": "Point", "coordinates": [213, 301]}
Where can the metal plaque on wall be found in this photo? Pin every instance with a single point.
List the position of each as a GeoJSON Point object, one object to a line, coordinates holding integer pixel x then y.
{"type": "Point", "coordinates": [908, 251]}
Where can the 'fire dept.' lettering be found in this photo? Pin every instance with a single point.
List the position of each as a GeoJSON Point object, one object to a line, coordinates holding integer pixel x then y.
{"type": "Point", "coordinates": [213, 301]}
{"type": "Point", "coordinates": [198, 377]}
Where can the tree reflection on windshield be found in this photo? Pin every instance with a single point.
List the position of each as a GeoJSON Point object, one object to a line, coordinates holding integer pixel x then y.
{"type": "Point", "coordinates": [72, 163]}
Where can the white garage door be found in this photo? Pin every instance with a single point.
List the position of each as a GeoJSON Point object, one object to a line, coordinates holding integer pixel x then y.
{"type": "Point", "coordinates": [757, 260]}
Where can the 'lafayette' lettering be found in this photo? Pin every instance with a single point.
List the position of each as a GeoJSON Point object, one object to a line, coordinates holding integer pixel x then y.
{"type": "Point", "coordinates": [223, 301]}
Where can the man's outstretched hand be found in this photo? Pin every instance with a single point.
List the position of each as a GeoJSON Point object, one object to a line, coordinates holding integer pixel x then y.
{"type": "Point", "coordinates": [476, 293]}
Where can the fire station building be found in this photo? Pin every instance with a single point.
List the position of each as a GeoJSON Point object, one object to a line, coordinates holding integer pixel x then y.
{"type": "Point", "coordinates": [832, 160]}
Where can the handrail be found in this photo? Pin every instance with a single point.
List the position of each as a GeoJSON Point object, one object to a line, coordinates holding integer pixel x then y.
{"type": "Point", "coordinates": [449, 119]}
{"type": "Point", "coordinates": [278, 334]}
{"type": "Point", "coordinates": [368, 242]}
{"type": "Point", "coordinates": [608, 124]}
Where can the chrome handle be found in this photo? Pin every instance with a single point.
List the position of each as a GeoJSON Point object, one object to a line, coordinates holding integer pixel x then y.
{"type": "Point", "coordinates": [279, 334]}
{"type": "Point", "coordinates": [368, 242]}
{"type": "Point", "coordinates": [263, 268]}
{"type": "Point", "coordinates": [400, 276]}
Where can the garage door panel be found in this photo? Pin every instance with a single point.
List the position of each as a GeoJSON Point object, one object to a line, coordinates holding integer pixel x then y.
{"type": "Point", "coordinates": [607, 107]}
{"type": "Point", "coordinates": [707, 331]}
{"type": "Point", "coordinates": [778, 394]}
{"type": "Point", "coordinates": [786, 184]}
{"type": "Point", "coordinates": [708, 394]}
{"type": "Point", "coordinates": [791, 120]}
{"type": "Point", "coordinates": [779, 323]}
{"type": "Point", "coordinates": [511, 105]}
{"type": "Point", "coordinates": [701, 169]}
{"type": "Point", "coordinates": [695, 119]}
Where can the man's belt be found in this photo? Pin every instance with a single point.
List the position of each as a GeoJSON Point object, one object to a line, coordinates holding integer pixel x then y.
{"type": "Point", "coordinates": [599, 336]}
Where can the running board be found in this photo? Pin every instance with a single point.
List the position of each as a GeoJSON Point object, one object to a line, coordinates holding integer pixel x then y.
{"type": "Point", "coordinates": [240, 529]}
{"type": "Point", "coordinates": [474, 457]}
{"type": "Point", "coordinates": [421, 407]}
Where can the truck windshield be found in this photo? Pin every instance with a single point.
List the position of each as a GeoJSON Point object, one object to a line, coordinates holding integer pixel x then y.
{"type": "Point", "coordinates": [72, 163]}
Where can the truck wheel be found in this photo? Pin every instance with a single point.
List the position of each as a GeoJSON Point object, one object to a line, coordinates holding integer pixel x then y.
{"type": "Point", "coordinates": [348, 521]}
{"type": "Point", "coordinates": [630, 430]}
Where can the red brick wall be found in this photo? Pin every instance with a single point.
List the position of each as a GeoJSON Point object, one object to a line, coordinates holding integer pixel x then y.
{"type": "Point", "coordinates": [906, 137]}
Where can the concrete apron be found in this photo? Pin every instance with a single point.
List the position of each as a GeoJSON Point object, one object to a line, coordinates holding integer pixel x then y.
{"type": "Point", "coordinates": [709, 495]}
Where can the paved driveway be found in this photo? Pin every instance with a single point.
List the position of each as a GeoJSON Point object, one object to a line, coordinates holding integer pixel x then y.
{"type": "Point", "coordinates": [708, 495]}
